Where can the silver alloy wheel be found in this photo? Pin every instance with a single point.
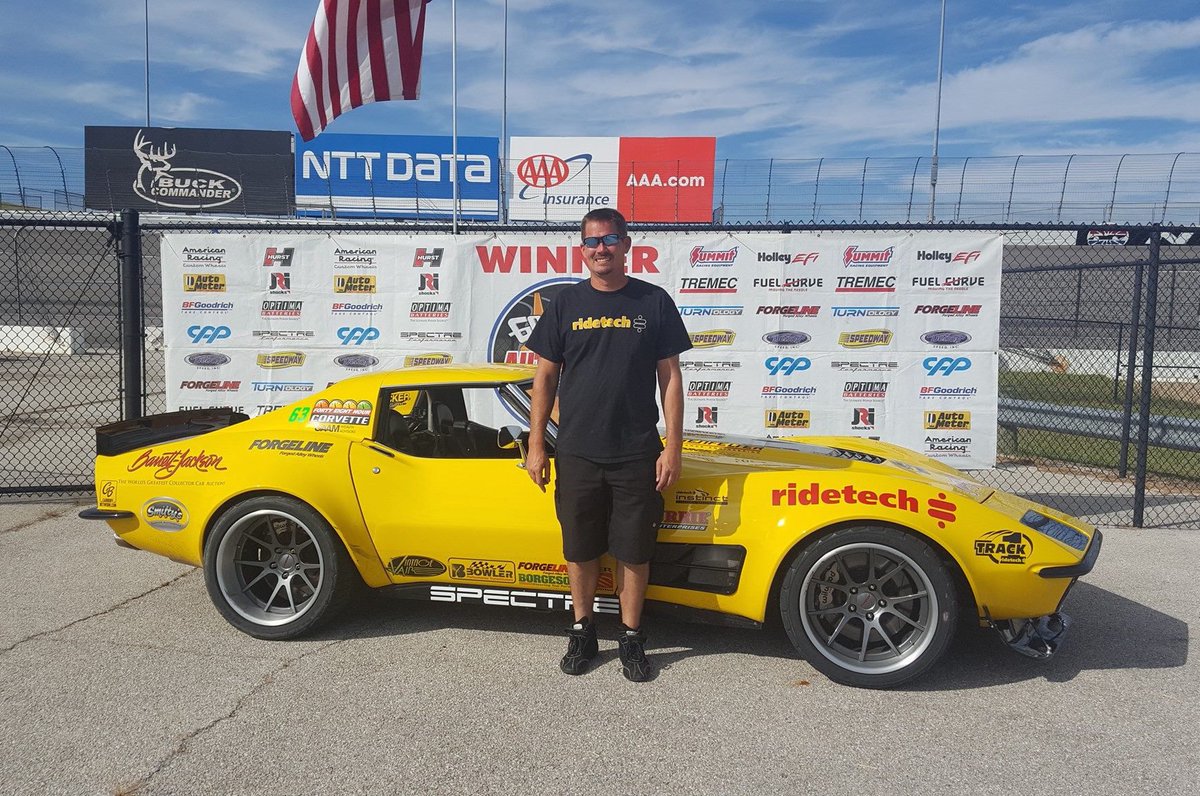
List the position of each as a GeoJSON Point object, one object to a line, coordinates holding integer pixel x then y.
{"type": "Point", "coordinates": [269, 567]}
{"type": "Point", "coordinates": [869, 608]}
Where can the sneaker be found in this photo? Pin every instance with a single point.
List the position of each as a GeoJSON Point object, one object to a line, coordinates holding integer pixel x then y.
{"type": "Point", "coordinates": [581, 647]}
{"type": "Point", "coordinates": [632, 646]}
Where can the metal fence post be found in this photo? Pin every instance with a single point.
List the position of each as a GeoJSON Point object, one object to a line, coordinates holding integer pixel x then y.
{"type": "Point", "coordinates": [1130, 366]}
{"type": "Point", "coordinates": [1139, 483]}
{"type": "Point", "coordinates": [132, 333]}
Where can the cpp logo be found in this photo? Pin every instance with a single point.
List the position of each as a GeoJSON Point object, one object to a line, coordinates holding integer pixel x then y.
{"type": "Point", "coordinates": [357, 335]}
{"type": "Point", "coordinates": [208, 334]}
{"type": "Point", "coordinates": [787, 365]}
{"type": "Point", "coordinates": [945, 365]}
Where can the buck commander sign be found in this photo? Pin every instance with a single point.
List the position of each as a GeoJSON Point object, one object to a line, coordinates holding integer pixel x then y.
{"type": "Point", "coordinates": [185, 169]}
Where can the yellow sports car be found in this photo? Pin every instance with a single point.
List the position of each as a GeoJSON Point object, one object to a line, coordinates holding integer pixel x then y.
{"type": "Point", "coordinates": [413, 480]}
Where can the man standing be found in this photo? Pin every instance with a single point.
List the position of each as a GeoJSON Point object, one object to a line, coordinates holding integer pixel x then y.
{"type": "Point", "coordinates": [602, 345]}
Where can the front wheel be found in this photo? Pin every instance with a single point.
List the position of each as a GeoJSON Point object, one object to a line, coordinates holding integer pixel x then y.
{"type": "Point", "coordinates": [275, 569]}
{"type": "Point", "coordinates": [871, 607]}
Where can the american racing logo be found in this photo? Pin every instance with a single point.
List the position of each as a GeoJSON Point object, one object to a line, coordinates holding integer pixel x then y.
{"type": "Point", "coordinates": [709, 311]}
{"type": "Point", "coordinates": [708, 284]}
{"type": "Point", "coordinates": [204, 283]}
{"type": "Point", "coordinates": [865, 284]}
{"type": "Point", "coordinates": [949, 257]}
{"type": "Point", "coordinates": [211, 386]}
{"type": "Point", "coordinates": [278, 258]}
{"type": "Point", "coordinates": [708, 389]}
{"type": "Point", "coordinates": [865, 389]}
{"type": "Point", "coordinates": [166, 514]}
{"type": "Point", "coordinates": [281, 309]}
{"type": "Point", "coordinates": [431, 258]}
{"type": "Point", "coordinates": [429, 310]}
{"type": "Point", "coordinates": [685, 520]}
{"type": "Point", "coordinates": [865, 338]}
{"type": "Point", "coordinates": [352, 258]}
{"type": "Point", "coordinates": [948, 446]}
{"type": "Point", "coordinates": [941, 421]}
{"type": "Point", "coordinates": [866, 312]}
{"type": "Point", "coordinates": [791, 283]}
{"type": "Point", "coordinates": [787, 418]}
{"type": "Point", "coordinates": [813, 495]}
{"type": "Point", "coordinates": [210, 307]}
{"type": "Point", "coordinates": [949, 310]}
{"type": "Point", "coordinates": [701, 256]}
{"type": "Point", "coordinates": [1004, 547]}
{"type": "Point", "coordinates": [712, 338]}
{"type": "Point", "coordinates": [854, 256]}
{"type": "Point", "coordinates": [280, 359]}
{"type": "Point", "coordinates": [415, 567]}
{"type": "Point", "coordinates": [862, 418]}
{"type": "Point", "coordinates": [354, 283]}
{"type": "Point", "coordinates": [167, 463]}
{"type": "Point", "coordinates": [208, 256]}
{"type": "Point", "coordinates": [482, 569]}
{"type": "Point", "coordinates": [791, 311]}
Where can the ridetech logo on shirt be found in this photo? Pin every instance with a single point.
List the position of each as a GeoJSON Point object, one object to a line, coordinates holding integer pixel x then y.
{"type": "Point", "coordinates": [605, 322]}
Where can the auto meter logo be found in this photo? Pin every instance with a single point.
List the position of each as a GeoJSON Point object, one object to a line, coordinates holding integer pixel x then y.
{"type": "Point", "coordinates": [516, 321]}
{"type": "Point", "coordinates": [170, 185]}
{"type": "Point", "coordinates": [942, 421]}
{"type": "Point", "coordinates": [945, 338]}
{"type": "Point", "coordinates": [712, 338]}
{"type": "Point", "coordinates": [354, 283]}
{"type": "Point", "coordinates": [206, 360]}
{"type": "Point", "coordinates": [204, 283]}
{"type": "Point", "coordinates": [787, 418]}
{"type": "Point", "coordinates": [1004, 547]}
{"type": "Point", "coordinates": [165, 514]}
{"type": "Point", "coordinates": [785, 338]}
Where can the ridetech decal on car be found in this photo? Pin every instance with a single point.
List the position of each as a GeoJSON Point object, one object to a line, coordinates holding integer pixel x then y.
{"type": "Point", "coordinates": [814, 495]}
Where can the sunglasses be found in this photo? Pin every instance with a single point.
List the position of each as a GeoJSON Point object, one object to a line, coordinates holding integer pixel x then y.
{"type": "Point", "coordinates": [611, 239]}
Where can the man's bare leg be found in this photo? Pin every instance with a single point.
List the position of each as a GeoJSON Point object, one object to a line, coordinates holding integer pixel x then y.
{"type": "Point", "coordinates": [584, 576]}
{"type": "Point", "coordinates": [631, 588]}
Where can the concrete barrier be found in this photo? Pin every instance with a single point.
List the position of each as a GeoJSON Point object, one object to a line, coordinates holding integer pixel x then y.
{"type": "Point", "coordinates": [39, 340]}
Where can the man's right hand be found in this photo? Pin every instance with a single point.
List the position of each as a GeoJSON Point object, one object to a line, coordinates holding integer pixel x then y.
{"type": "Point", "coordinates": [537, 464]}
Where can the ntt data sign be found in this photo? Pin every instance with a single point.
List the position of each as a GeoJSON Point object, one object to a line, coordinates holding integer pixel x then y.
{"type": "Point", "coordinates": [647, 179]}
{"type": "Point", "coordinates": [406, 176]}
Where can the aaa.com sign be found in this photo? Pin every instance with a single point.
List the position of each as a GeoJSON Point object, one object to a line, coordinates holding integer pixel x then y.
{"type": "Point", "coordinates": [647, 179]}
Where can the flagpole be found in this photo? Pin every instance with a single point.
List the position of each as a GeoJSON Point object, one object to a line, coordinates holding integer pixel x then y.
{"type": "Point", "coordinates": [937, 122]}
{"type": "Point", "coordinates": [147, 18]}
{"type": "Point", "coordinates": [504, 123]}
{"type": "Point", "coordinates": [454, 112]}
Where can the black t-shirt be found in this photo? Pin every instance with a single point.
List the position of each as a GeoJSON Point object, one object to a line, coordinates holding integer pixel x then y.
{"type": "Point", "coordinates": [609, 345]}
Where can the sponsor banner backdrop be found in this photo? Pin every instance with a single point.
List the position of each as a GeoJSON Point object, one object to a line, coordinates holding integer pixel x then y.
{"type": "Point", "coordinates": [179, 169]}
{"type": "Point", "coordinates": [647, 179]}
{"type": "Point", "coordinates": [892, 336]}
{"type": "Point", "coordinates": [406, 176]}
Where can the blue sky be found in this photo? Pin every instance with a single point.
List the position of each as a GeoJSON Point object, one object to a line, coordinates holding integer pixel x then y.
{"type": "Point", "coordinates": [781, 79]}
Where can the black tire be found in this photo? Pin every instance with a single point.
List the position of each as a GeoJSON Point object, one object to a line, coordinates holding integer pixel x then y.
{"type": "Point", "coordinates": [870, 607]}
{"type": "Point", "coordinates": [275, 569]}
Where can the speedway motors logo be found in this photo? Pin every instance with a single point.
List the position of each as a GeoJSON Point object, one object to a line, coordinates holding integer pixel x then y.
{"type": "Point", "coordinates": [516, 321]}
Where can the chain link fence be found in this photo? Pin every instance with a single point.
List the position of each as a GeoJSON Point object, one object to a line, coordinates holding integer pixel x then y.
{"type": "Point", "coordinates": [1085, 426]}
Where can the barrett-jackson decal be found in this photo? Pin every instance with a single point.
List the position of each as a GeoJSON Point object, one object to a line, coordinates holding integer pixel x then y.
{"type": "Point", "coordinates": [292, 446]}
{"type": "Point", "coordinates": [483, 569]}
{"type": "Point", "coordinates": [167, 463]}
{"type": "Point", "coordinates": [165, 514]}
{"type": "Point", "coordinates": [415, 566]}
{"type": "Point", "coordinates": [1004, 547]}
{"type": "Point", "coordinates": [517, 598]}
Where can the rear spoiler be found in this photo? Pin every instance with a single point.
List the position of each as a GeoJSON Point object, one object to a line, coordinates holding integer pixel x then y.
{"type": "Point", "coordinates": [127, 435]}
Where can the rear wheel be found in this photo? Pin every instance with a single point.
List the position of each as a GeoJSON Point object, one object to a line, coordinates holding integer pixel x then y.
{"type": "Point", "coordinates": [275, 569]}
{"type": "Point", "coordinates": [871, 607]}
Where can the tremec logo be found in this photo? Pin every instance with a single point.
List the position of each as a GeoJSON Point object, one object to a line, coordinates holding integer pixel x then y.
{"type": "Point", "coordinates": [276, 257]}
{"type": "Point", "coordinates": [945, 366]}
{"type": "Point", "coordinates": [208, 334]}
{"type": "Point", "coordinates": [786, 366]}
{"type": "Point", "coordinates": [357, 335]}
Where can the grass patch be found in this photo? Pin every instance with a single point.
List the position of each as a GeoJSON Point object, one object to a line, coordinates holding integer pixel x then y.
{"type": "Point", "coordinates": [1093, 391]}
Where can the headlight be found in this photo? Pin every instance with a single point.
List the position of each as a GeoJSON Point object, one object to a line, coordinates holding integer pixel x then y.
{"type": "Point", "coordinates": [1054, 529]}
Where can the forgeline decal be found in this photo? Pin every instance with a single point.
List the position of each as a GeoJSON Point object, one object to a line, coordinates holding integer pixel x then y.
{"type": "Point", "coordinates": [948, 420]}
{"type": "Point", "coordinates": [165, 514]}
{"type": "Point", "coordinates": [787, 418]}
{"type": "Point", "coordinates": [712, 338]}
{"type": "Point", "coordinates": [698, 497]}
{"type": "Point", "coordinates": [280, 359]}
{"type": "Point", "coordinates": [865, 338]}
{"type": "Point", "coordinates": [517, 599]}
{"type": "Point", "coordinates": [685, 520]}
{"type": "Point", "coordinates": [483, 569]}
{"type": "Point", "coordinates": [1004, 547]}
{"type": "Point", "coordinates": [337, 412]}
{"type": "Point", "coordinates": [204, 283]}
{"type": "Point", "coordinates": [356, 283]}
{"type": "Point", "coordinates": [415, 566]}
{"type": "Point", "coordinates": [540, 573]}
{"type": "Point", "coordinates": [427, 359]}
{"type": "Point", "coordinates": [814, 495]}
{"type": "Point", "coordinates": [108, 494]}
{"type": "Point", "coordinates": [292, 447]}
{"type": "Point", "coordinates": [167, 463]}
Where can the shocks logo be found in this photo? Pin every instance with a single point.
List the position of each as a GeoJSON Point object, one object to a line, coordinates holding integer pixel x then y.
{"type": "Point", "coordinates": [786, 366]}
{"type": "Point", "coordinates": [208, 334]}
{"type": "Point", "coordinates": [357, 335]}
{"type": "Point", "coordinates": [945, 366]}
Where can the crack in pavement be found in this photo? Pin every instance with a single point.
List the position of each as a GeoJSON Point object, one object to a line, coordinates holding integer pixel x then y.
{"type": "Point", "coordinates": [105, 612]}
{"type": "Point", "coordinates": [267, 679]}
{"type": "Point", "coordinates": [46, 515]}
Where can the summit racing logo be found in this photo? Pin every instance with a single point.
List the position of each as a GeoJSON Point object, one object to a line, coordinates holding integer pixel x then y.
{"type": "Point", "coordinates": [1004, 547]}
{"type": "Point", "coordinates": [168, 185]}
{"type": "Point", "coordinates": [540, 172]}
{"type": "Point", "coordinates": [712, 338]}
{"type": "Point", "coordinates": [278, 258]}
{"type": "Point", "coordinates": [354, 283]}
{"type": "Point", "coordinates": [867, 258]}
{"type": "Point", "coordinates": [942, 421]}
{"type": "Point", "coordinates": [204, 283]}
{"type": "Point", "coordinates": [701, 256]}
{"type": "Point", "coordinates": [708, 389]}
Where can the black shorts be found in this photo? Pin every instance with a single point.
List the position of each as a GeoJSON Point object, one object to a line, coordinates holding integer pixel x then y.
{"type": "Point", "coordinates": [607, 507]}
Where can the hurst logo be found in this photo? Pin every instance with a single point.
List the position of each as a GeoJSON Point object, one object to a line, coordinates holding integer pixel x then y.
{"type": "Point", "coordinates": [431, 258]}
{"type": "Point", "coordinates": [279, 258]}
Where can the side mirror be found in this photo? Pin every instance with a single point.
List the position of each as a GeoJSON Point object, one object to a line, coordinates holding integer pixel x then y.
{"type": "Point", "coordinates": [511, 437]}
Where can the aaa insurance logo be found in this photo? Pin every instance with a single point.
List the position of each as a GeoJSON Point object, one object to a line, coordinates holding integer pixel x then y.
{"type": "Point", "coordinates": [161, 182]}
{"type": "Point", "coordinates": [544, 171]}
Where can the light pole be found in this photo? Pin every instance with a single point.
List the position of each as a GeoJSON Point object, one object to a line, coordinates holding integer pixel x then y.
{"type": "Point", "coordinates": [937, 121]}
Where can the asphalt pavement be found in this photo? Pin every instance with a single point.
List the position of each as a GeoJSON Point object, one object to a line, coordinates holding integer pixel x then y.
{"type": "Point", "coordinates": [118, 676]}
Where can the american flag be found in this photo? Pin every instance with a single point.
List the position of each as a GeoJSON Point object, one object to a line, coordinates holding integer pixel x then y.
{"type": "Point", "coordinates": [358, 51]}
